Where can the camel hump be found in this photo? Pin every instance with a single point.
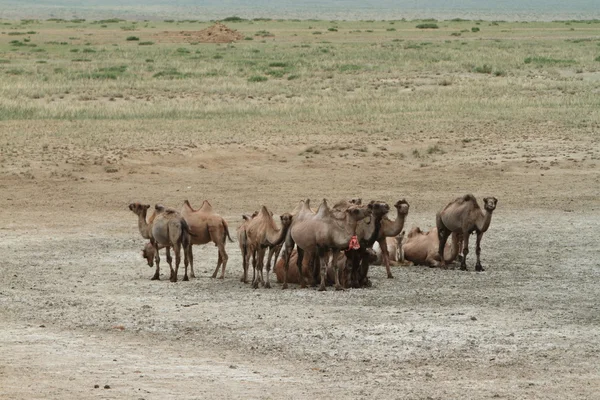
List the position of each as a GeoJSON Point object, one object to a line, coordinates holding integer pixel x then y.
{"type": "Point", "coordinates": [264, 211]}
{"type": "Point", "coordinates": [468, 197]}
{"type": "Point", "coordinates": [323, 208]}
{"type": "Point", "coordinates": [186, 203]}
{"type": "Point", "coordinates": [206, 206]}
{"type": "Point", "coordinates": [159, 208]}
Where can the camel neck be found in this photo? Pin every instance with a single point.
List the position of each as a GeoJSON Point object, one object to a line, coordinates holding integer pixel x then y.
{"type": "Point", "coordinates": [393, 228]}
{"type": "Point", "coordinates": [485, 221]}
{"type": "Point", "coordinates": [143, 225]}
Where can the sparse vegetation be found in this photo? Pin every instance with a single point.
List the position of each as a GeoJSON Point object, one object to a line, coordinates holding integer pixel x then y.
{"type": "Point", "coordinates": [132, 38]}
{"type": "Point", "coordinates": [257, 78]}
{"type": "Point", "coordinates": [548, 60]}
{"type": "Point", "coordinates": [428, 25]}
{"type": "Point", "coordinates": [483, 69]}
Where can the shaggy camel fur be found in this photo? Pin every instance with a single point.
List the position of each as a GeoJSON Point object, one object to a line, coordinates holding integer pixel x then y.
{"type": "Point", "coordinates": [243, 243]}
{"type": "Point", "coordinates": [262, 232]}
{"type": "Point", "coordinates": [208, 226]}
{"type": "Point", "coordinates": [391, 229]}
{"type": "Point", "coordinates": [464, 216]}
{"type": "Point", "coordinates": [167, 229]}
{"type": "Point", "coordinates": [367, 232]}
{"type": "Point", "coordinates": [314, 234]}
{"type": "Point", "coordinates": [421, 248]}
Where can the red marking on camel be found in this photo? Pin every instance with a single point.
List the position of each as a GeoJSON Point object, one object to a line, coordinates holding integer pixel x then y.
{"type": "Point", "coordinates": [353, 245]}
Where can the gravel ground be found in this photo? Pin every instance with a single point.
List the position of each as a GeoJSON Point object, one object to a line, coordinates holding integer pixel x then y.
{"type": "Point", "coordinates": [79, 310]}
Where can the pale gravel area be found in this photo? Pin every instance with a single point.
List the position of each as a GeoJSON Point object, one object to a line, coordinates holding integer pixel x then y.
{"type": "Point", "coordinates": [78, 310]}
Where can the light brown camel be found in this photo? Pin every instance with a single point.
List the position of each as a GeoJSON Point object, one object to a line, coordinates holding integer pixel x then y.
{"type": "Point", "coordinates": [208, 226]}
{"type": "Point", "coordinates": [315, 234]}
{"type": "Point", "coordinates": [394, 245]}
{"type": "Point", "coordinates": [391, 228]}
{"type": "Point", "coordinates": [243, 243]}
{"type": "Point", "coordinates": [463, 215]}
{"type": "Point", "coordinates": [167, 229]}
{"type": "Point", "coordinates": [421, 248]}
{"type": "Point", "coordinates": [262, 232]}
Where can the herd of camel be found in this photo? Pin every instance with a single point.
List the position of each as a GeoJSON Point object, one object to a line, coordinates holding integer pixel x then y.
{"type": "Point", "coordinates": [329, 245]}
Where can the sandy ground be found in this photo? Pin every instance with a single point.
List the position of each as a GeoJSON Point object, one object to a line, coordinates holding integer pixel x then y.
{"type": "Point", "coordinates": [77, 308]}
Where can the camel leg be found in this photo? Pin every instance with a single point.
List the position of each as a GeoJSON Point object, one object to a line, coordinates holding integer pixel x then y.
{"type": "Point", "coordinates": [443, 238]}
{"type": "Point", "coordinates": [316, 269]}
{"type": "Point", "coordinates": [323, 265]}
{"type": "Point", "coordinates": [478, 266]}
{"type": "Point", "coordinates": [385, 257]}
{"type": "Point", "coordinates": [353, 267]}
{"type": "Point", "coordinates": [289, 247]}
{"type": "Point", "coordinates": [186, 261]}
{"type": "Point", "coordinates": [219, 261]}
{"type": "Point", "coordinates": [224, 258]}
{"type": "Point", "coordinates": [244, 277]}
{"type": "Point", "coordinates": [364, 268]}
{"type": "Point", "coordinates": [334, 258]}
{"type": "Point", "coordinates": [300, 263]}
{"type": "Point", "coordinates": [272, 251]}
{"type": "Point", "coordinates": [260, 265]}
{"type": "Point", "coordinates": [177, 251]}
{"type": "Point", "coordinates": [170, 262]}
{"type": "Point", "coordinates": [463, 262]}
{"type": "Point", "coordinates": [191, 258]}
{"type": "Point", "coordinates": [156, 276]}
{"type": "Point", "coordinates": [255, 275]}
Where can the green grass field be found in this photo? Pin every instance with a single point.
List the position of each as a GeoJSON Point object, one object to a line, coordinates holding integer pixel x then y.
{"type": "Point", "coordinates": [384, 74]}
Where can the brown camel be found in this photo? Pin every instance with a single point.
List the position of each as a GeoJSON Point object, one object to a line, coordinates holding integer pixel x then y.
{"type": "Point", "coordinates": [421, 248]}
{"type": "Point", "coordinates": [465, 216]}
{"type": "Point", "coordinates": [262, 232]}
{"type": "Point", "coordinates": [314, 234]}
{"type": "Point", "coordinates": [167, 229]}
{"type": "Point", "coordinates": [368, 231]}
{"type": "Point", "coordinates": [311, 274]}
{"type": "Point", "coordinates": [243, 243]}
{"type": "Point", "coordinates": [391, 228]}
{"type": "Point", "coordinates": [208, 226]}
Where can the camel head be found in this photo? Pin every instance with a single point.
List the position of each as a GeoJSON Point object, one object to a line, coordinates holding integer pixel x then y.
{"type": "Point", "coordinates": [489, 203]}
{"type": "Point", "coordinates": [139, 208]}
{"type": "Point", "coordinates": [402, 207]}
{"type": "Point", "coordinates": [247, 217]}
{"type": "Point", "coordinates": [358, 212]}
{"type": "Point", "coordinates": [357, 201]}
{"type": "Point", "coordinates": [286, 219]}
{"type": "Point", "coordinates": [379, 208]}
{"type": "Point", "coordinates": [148, 254]}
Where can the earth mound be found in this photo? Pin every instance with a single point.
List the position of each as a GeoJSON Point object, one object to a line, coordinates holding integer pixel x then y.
{"type": "Point", "coordinates": [217, 33]}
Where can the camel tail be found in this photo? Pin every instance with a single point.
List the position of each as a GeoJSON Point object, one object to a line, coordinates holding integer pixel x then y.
{"type": "Point", "coordinates": [227, 231]}
{"type": "Point", "coordinates": [185, 232]}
